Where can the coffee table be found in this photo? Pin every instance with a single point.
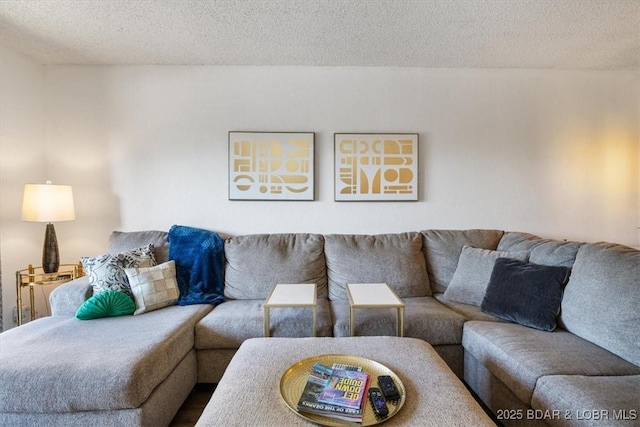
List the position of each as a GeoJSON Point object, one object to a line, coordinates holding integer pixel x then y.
{"type": "Point", "coordinates": [249, 392]}
{"type": "Point", "coordinates": [290, 295]}
{"type": "Point", "coordinates": [374, 295]}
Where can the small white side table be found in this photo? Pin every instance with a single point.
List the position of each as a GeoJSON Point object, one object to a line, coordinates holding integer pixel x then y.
{"type": "Point", "coordinates": [374, 295]}
{"type": "Point", "coordinates": [290, 295]}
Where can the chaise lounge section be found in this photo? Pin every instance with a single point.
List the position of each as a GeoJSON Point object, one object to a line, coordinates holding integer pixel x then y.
{"type": "Point", "coordinates": [117, 371]}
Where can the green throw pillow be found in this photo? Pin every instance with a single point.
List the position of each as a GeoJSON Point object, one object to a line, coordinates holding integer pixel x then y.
{"type": "Point", "coordinates": [106, 304]}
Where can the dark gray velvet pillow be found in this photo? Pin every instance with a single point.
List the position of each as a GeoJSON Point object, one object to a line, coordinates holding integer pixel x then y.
{"type": "Point", "coordinates": [524, 293]}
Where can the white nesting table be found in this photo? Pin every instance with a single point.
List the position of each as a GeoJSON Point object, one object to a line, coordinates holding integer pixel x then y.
{"type": "Point", "coordinates": [290, 295]}
{"type": "Point", "coordinates": [374, 295]}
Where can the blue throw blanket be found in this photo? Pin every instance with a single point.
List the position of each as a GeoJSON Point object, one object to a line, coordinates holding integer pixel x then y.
{"type": "Point", "coordinates": [199, 258]}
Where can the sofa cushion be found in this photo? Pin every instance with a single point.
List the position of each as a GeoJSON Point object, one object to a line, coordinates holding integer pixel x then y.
{"type": "Point", "coordinates": [424, 318]}
{"type": "Point", "coordinates": [106, 304]}
{"type": "Point", "coordinates": [256, 263]}
{"type": "Point", "coordinates": [235, 321]}
{"type": "Point", "coordinates": [105, 364]}
{"type": "Point", "coordinates": [518, 356]}
{"type": "Point", "coordinates": [526, 293]}
{"type": "Point", "coordinates": [442, 248]}
{"type": "Point", "coordinates": [602, 299]}
{"type": "Point", "coordinates": [394, 259]}
{"type": "Point", "coordinates": [471, 278]}
{"type": "Point", "coordinates": [543, 251]}
{"type": "Point", "coordinates": [585, 400]}
{"type": "Point", "coordinates": [121, 241]}
{"type": "Point", "coordinates": [470, 312]}
{"type": "Point", "coordinates": [153, 287]}
{"type": "Point", "coordinates": [106, 272]}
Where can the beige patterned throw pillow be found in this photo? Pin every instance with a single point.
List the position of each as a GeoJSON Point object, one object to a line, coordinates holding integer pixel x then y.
{"type": "Point", "coordinates": [153, 287]}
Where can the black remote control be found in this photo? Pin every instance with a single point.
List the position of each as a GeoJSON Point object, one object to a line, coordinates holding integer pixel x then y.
{"type": "Point", "coordinates": [377, 402]}
{"type": "Point", "coordinates": [388, 387]}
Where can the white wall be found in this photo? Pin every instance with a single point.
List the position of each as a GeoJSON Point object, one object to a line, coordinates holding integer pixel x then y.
{"type": "Point", "coordinates": [22, 160]}
{"type": "Point", "coordinates": [549, 152]}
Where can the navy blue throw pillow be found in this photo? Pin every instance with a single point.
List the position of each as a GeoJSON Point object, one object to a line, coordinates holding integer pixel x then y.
{"type": "Point", "coordinates": [525, 293]}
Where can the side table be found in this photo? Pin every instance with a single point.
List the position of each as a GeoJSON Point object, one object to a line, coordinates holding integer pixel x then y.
{"type": "Point", "coordinates": [290, 295]}
{"type": "Point", "coordinates": [374, 295]}
{"type": "Point", "coordinates": [31, 277]}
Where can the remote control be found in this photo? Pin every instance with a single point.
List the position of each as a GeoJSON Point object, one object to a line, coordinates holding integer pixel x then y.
{"type": "Point", "coordinates": [388, 388]}
{"type": "Point", "coordinates": [377, 402]}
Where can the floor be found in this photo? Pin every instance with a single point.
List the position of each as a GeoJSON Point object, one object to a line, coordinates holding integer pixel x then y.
{"type": "Point", "coordinates": [192, 408]}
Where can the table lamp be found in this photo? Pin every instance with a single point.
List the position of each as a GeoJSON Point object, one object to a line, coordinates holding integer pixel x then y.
{"type": "Point", "coordinates": [48, 203]}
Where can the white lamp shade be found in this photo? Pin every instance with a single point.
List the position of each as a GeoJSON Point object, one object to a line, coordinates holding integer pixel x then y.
{"type": "Point", "coordinates": [47, 203]}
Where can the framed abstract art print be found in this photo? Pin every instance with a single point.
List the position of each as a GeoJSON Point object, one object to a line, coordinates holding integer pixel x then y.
{"type": "Point", "coordinates": [271, 165]}
{"type": "Point", "coordinates": [376, 166]}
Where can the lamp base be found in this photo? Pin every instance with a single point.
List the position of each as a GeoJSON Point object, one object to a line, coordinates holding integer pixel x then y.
{"type": "Point", "coordinates": [50, 254]}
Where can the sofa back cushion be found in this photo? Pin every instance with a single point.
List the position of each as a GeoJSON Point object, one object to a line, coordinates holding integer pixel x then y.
{"type": "Point", "coordinates": [394, 259]}
{"type": "Point", "coordinates": [542, 251]}
{"type": "Point", "coordinates": [601, 302]}
{"type": "Point", "coordinates": [256, 263]}
{"type": "Point", "coordinates": [122, 241]}
{"type": "Point", "coordinates": [471, 278]}
{"type": "Point", "coordinates": [442, 248]}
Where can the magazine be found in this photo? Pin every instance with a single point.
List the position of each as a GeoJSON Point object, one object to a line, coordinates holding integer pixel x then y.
{"type": "Point", "coordinates": [359, 369]}
{"type": "Point", "coordinates": [346, 367]}
{"type": "Point", "coordinates": [316, 382]}
{"type": "Point", "coordinates": [346, 387]}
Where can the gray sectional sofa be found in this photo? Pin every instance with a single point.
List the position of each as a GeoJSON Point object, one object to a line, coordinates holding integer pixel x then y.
{"type": "Point", "coordinates": [137, 370]}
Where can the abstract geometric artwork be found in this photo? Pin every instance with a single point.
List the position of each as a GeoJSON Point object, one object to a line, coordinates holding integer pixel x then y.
{"type": "Point", "coordinates": [376, 167]}
{"type": "Point", "coordinates": [271, 166]}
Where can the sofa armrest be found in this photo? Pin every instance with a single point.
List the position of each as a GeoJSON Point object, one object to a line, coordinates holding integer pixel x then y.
{"type": "Point", "coordinates": [67, 298]}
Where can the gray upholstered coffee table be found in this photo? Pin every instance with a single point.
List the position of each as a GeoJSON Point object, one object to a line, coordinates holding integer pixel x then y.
{"type": "Point", "coordinates": [248, 393]}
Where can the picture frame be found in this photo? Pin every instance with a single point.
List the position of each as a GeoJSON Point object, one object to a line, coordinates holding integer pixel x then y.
{"type": "Point", "coordinates": [376, 166]}
{"type": "Point", "coordinates": [271, 165]}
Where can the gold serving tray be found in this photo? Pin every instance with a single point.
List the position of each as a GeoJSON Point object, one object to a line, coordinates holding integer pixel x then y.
{"type": "Point", "coordinates": [295, 378]}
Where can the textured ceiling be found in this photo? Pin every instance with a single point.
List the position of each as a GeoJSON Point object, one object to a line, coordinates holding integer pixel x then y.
{"type": "Point", "coordinates": [568, 34]}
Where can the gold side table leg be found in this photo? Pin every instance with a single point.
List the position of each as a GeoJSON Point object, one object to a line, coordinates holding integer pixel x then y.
{"type": "Point", "coordinates": [352, 326]}
{"type": "Point", "coordinates": [19, 299]}
{"type": "Point", "coordinates": [400, 322]}
{"type": "Point", "coordinates": [266, 321]}
{"type": "Point", "coordinates": [32, 304]}
{"type": "Point", "coordinates": [315, 317]}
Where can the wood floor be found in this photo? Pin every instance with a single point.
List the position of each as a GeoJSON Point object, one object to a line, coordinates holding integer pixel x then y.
{"type": "Point", "coordinates": [192, 408]}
